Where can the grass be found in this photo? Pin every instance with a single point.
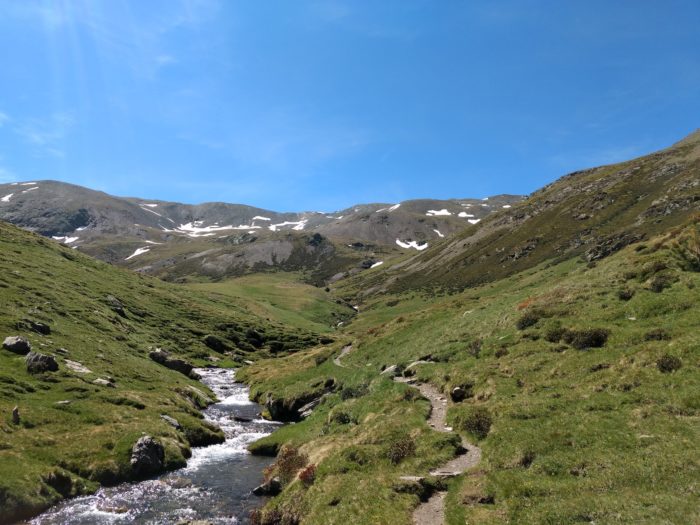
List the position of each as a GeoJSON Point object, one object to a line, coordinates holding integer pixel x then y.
{"type": "Point", "coordinates": [590, 430]}
{"type": "Point", "coordinates": [283, 298]}
{"type": "Point", "coordinates": [106, 319]}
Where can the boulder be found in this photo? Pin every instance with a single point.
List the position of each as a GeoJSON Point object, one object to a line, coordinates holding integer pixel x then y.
{"type": "Point", "coordinates": [269, 488]}
{"type": "Point", "coordinates": [390, 371]}
{"type": "Point", "coordinates": [171, 421]}
{"type": "Point", "coordinates": [215, 343]}
{"type": "Point", "coordinates": [35, 326]}
{"type": "Point", "coordinates": [15, 416]}
{"type": "Point", "coordinates": [116, 305]}
{"type": "Point", "coordinates": [104, 382]}
{"type": "Point", "coordinates": [147, 457]}
{"type": "Point", "coordinates": [164, 358]}
{"type": "Point", "coordinates": [38, 363]}
{"type": "Point", "coordinates": [458, 394]}
{"type": "Point", "coordinates": [17, 344]}
{"type": "Point", "coordinates": [60, 482]}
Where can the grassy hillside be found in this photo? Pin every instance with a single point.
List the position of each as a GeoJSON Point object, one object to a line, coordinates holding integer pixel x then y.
{"type": "Point", "coordinates": [283, 298]}
{"type": "Point", "coordinates": [75, 433]}
{"type": "Point", "coordinates": [591, 213]}
{"type": "Point", "coordinates": [582, 383]}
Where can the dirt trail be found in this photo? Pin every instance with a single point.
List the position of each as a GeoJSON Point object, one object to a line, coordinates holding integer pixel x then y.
{"type": "Point", "coordinates": [345, 351]}
{"type": "Point", "coordinates": [432, 512]}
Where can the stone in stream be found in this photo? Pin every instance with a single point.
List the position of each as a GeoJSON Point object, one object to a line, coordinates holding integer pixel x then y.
{"type": "Point", "coordinates": [17, 344]}
{"type": "Point", "coordinates": [147, 457]}
{"type": "Point", "coordinates": [38, 363]}
{"type": "Point", "coordinates": [269, 488]}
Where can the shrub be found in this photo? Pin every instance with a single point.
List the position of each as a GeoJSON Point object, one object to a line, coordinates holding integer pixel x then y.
{"type": "Point", "coordinates": [589, 338]}
{"type": "Point", "coordinates": [350, 392]}
{"type": "Point", "coordinates": [341, 417]}
{"type": "Point", "coordinates": [477, 422]}
{"type": "Point", "coordinates": [686, 251]}
{"type": "Point", "coordinates": [289, 462]}
{"type": "Point", "coordinates": [400, 448]}
{"type": "Point", "coordinates": [668, 363]}
{"type": "Point", "coordinates": [625, 294]}
{"type": "Point", "coordinates": [308, 475]}
{"type": "Point", "coordinates": [658, 334]}
{"type": "Point", "coordinates": [501, 352]}
{"type": "Point", "coordinates": [660, 282]}
{"type": "Point", "coordinates": [528, 319]}
{"type": "Point", "coordinates": [554, 334]}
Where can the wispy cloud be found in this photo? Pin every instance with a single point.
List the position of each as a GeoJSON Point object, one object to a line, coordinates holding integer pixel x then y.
{"type": "Point", "coordinates": [46, 134]}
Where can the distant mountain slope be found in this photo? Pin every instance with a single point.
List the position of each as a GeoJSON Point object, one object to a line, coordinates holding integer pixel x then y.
{"type": "Point", "coordinates": [591, 213]}
{"type": "Point", "coordinates": [219, 239]}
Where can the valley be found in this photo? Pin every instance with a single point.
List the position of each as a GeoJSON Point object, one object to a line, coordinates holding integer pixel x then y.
{"type": "Point", "coordinates": [534, 363]}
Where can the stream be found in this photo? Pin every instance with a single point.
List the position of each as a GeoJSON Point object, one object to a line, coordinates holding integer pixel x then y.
{"type": "Point", "coordinates": [215, 486]}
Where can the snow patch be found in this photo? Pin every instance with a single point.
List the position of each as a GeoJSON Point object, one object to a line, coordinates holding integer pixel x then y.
{"type": "Point", "coordinates": [7, 198]}
{"type": "Point", "coordinates": [506, 206]}
{"type": "Point", "coordinates": [151, 211]}
{"type": "Point", "coordinates": [395, 207]}
{"type": "Point", "coordinates": [412, 244]}
{"type": "Point", "coordinates": [378, 263]}
{"type": "Point", "coordinates": [473, 221]}
{"type": "Point", "coordinates": [299, 225]}
{"type": "Point", "coordinates": [435, 213]}
{"type": "Point", "coordinates": [65, 240]}
{"type": "Point", "coordinates": [148, 204]}
{"type": "Point", "coordinates": [139, 251]}
{"type": "Point", "coordinates": [81, 228]}
{"type": "Point", "coordinates": [28, 184]}
{"type": "Point", "coordinates": [195, 229]}
{"type": "Point", "coordinates": [30, 189]}
{"type": "Point", "coordinates": [439, 234]}
{"type": "Point", "coordinates": [261, 218]}
{"type": "Point", "coordinates": [464, 214]}
{"type": "Point", "coordinates": [152, 242]}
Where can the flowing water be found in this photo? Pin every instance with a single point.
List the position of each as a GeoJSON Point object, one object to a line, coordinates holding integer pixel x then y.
{"type": "Point", "coordinates": [215, 486]}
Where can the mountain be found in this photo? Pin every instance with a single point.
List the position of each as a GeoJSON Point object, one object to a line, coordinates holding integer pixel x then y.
{"type": "Point", "coordinates": [590, 213]}
{"type": "Point", "coordinates": [176, 241]}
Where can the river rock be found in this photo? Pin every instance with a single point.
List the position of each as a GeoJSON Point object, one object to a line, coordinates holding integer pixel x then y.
{"type": "Point", "coordinates": [147, 457]}
{"type": "Point", "coordinates": [269, 488]}
{"type": "Point", "coordinates": [38, 363]}
{"type": "Point", "coordinates": [17, 344]}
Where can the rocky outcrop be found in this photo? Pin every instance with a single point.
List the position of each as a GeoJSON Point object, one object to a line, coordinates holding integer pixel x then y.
{"type": "Point", "coordinates": [38, 363]}
{"type": "Point", "coordinates": [17, 344]}
{"type": "Point", "coordinates": [179, 365]}
{"type": "Point", "coordinates": [147, 457]}
{"type": "Point", "coordinates": [171, 421]}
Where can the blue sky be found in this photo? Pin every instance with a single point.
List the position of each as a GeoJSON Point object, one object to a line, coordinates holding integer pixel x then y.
{"type": "Point", "coordinates": [317, 105]}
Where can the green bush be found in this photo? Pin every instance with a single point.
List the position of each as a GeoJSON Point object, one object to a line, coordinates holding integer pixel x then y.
{"type": "Point", "coordinates": [477, 422]}
{"type": "Point", "coordinates": [400, 448]}
{"type": "Point", "coordinates": [588, 338]}
{"type": "Point", "coordinates": [668, 363]}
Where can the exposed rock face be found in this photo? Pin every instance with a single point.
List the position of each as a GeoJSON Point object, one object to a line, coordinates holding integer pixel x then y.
{"type": "Point", "coordinates": [269, 488]}
{"type": "Point", "coordinates": [17, 344]}
{"type": "Point", "coordinates": [147, 457]}
{"type": "Point", "coordinates": [38, 363]}
{"type": "Point", "coordinates": [163, 357]}
{"type": "Point", "coordinates": [104, 382]}
{"type": "Point", "coordinates": [171, 421]}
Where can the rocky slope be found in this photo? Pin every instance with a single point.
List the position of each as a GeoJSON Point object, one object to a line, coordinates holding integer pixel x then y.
{"type": "Point", "coordinates": [175, 240]}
